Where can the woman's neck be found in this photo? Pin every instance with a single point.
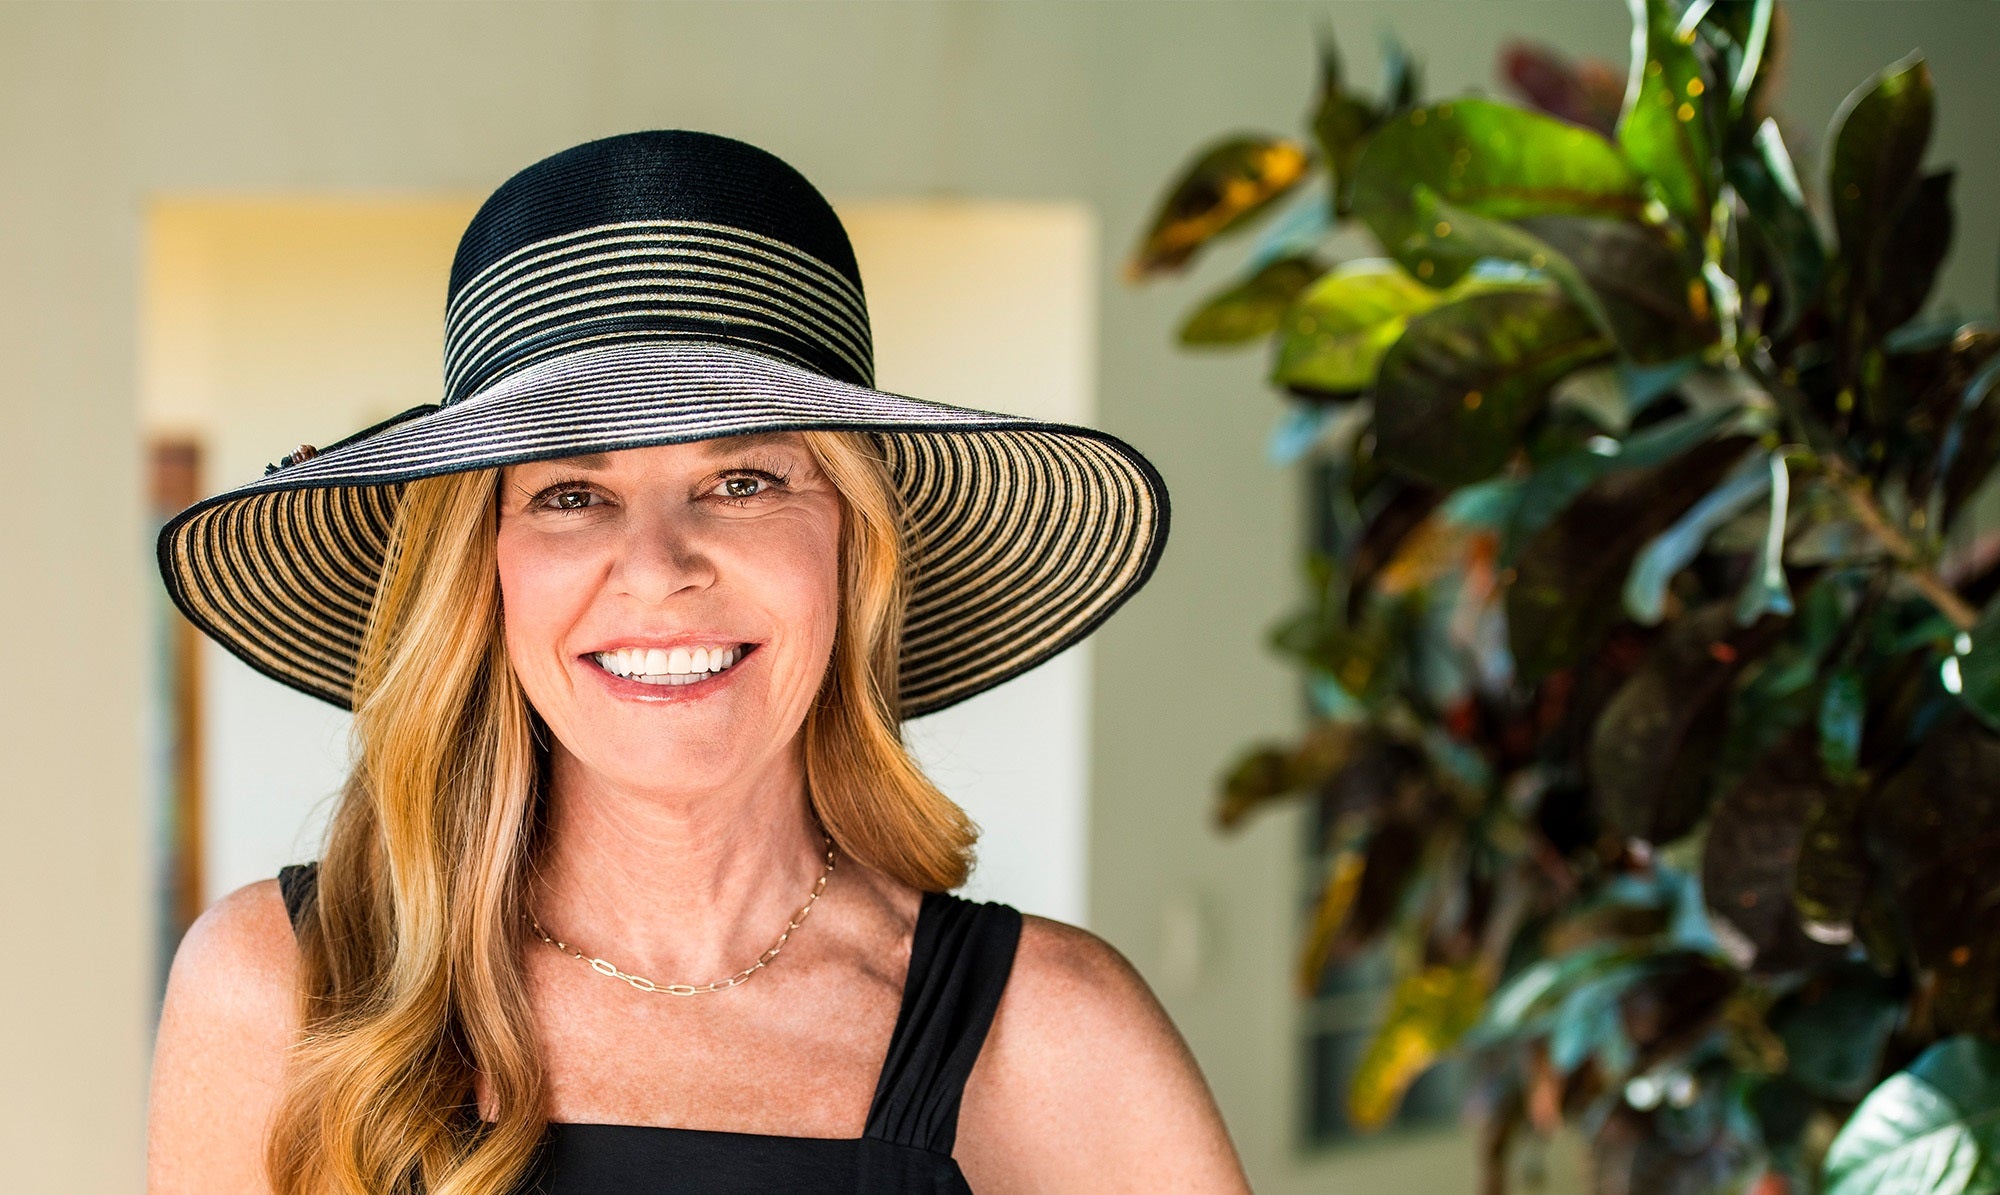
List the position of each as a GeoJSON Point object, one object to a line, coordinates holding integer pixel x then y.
{"type": "Point", "coordinates": [679, 888]}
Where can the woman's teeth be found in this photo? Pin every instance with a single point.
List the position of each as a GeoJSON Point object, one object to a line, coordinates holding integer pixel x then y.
{"type": "Point", "coordinates": [661, 666]}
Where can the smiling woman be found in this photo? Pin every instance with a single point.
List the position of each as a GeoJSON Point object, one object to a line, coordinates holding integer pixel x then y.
{"type": "Point", "coordinates": [629, 624]}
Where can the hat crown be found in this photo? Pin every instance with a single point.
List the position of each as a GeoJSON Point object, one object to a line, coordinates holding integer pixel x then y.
{"type": "Point", "coordinates": [657, 233]}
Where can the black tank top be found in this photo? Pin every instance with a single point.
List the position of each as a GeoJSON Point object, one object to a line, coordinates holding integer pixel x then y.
{"type": "Point", "coordinates": [960, 957]}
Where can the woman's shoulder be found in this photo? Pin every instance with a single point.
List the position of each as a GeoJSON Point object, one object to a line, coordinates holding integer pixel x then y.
{"type": "Point", "coordinates": [238, 964]}
{"type": "Point", "coordinates": [1071, 989]}
{"type": "Point", "coordinates": [227, 1019]}
{"type": "Point", "coordinates": [1083, 1070]}
{"type": "Point", "coordinates": [240, 952]}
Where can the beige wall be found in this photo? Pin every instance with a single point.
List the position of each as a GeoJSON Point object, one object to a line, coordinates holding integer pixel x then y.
{"type": "Point", "coordinates": [106, 106]}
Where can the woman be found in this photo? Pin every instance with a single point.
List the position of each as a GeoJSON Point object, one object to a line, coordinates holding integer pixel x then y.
{"type": "Point", "coordinates": [628, 624]}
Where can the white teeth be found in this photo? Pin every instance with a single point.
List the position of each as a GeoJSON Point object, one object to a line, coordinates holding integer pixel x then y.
{"type": "Point", "coordinates": [660, 666]}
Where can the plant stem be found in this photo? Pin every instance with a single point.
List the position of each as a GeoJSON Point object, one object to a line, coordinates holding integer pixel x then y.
{"type": "Point", "coordinates": [1854, 489]}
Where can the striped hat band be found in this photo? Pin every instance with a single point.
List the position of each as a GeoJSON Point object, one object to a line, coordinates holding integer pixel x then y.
{"type": "Point", "coordinates": [640, 280]}
{"type": "Point", "coordinates": [662, 287]}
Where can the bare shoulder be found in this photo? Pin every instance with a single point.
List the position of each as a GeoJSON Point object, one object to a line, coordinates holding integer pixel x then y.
{"type": "Point", "coordinates": [1085, 1083]}
{"type": "Point", "coordinates": [218, 1059]}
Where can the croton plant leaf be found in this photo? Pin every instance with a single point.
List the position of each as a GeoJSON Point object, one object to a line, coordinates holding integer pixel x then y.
{"type": "Point", "coordinates": [1341, 122]}
{"type": "Point", "coordinates": [1932, 828]}
{"type": "Point", "coordinates": [1337, 330]}
{"type": "Point", "coordinates": [1493, 159]}
{"type": "Point", "coordinates": [1648, 747]}
{"type": "Point", "coordinates": [1568, 577]}
{"type": "Point", "coordinates": [1933, 1128]}
{"type": "Point", "coordinates": [1225, 188]}
{"type": "Point", "coordinates": [1665, 128]}
{"type": "Point", "coordinates": [1879, 136]}
{"type": "Point", "coordinates": [1767, 181]}
{"type": "Point", "coordinates": [1429, 1010]}
{"type": "Point", "coordinates": [1254, 307]}
{"type": "Point", "coordinates": [1457, 390]}
{"type": "Point", "coordinates": [1750, 857]}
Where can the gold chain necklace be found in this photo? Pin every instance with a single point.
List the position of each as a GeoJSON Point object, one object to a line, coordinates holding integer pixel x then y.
{"type": "Point", "coordinates": [687, 989]}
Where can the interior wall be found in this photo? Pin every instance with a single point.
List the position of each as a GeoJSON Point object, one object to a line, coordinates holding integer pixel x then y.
{"type": "Point", "coordinates": [108, 105]}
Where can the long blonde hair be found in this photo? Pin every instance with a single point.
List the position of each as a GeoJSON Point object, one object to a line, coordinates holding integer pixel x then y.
{"type": "Point", "coordinates": [410, 981]}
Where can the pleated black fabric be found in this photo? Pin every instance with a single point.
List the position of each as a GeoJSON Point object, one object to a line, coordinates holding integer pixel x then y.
{"type": "Point", "coordinates": [960, 957]}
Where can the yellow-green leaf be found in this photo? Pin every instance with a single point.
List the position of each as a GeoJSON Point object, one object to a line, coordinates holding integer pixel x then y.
{"type": "Point", "coordinates": [1338, 329]}
{"type": "Point", "coordinates": [1429, 1011]}
{"type": "Point", "coordinates": [1336, 900]}
{"type": "Point", "coordinates": [1665, 126]}
{"type": "Point", "coordinates": [1253, 307]}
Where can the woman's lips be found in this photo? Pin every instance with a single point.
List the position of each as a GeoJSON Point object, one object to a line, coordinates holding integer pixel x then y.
{"type": "Point", "coordinates": [671, 687]}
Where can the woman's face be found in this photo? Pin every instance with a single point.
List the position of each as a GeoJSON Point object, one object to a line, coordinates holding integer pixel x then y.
{"type": "Point", "coordinates": [670, 611]}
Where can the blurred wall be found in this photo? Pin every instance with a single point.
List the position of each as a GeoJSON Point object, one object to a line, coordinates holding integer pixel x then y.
{"type": "Point", "coordinates": [107, 105]}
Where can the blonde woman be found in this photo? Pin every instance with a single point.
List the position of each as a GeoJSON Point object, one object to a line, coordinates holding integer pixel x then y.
{"type": "Point", "coordinates": [633, 886]}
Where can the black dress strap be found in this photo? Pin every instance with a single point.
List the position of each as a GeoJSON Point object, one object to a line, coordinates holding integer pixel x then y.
{"type": "Point", "coordinates": [960, 957]}
{"type": "Point", "coordinates": [297, 882]}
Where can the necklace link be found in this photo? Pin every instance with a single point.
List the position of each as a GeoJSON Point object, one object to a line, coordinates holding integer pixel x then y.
{"type": "Point", "coordinates": [641, 983]}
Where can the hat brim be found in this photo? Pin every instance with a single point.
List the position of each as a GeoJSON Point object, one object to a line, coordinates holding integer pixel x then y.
{"type": "Point", "coordinates": [1024, 534]}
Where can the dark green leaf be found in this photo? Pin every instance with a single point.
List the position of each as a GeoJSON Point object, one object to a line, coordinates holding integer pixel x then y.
{"type": "Point", "coordinates": [1933, 1128]}
{"type": "Point", "coordinates": [1655, 303]}
{"type": "Point", "coordinates": [1934, 827]}
{"type": "Point", "coordinates": [1492, 159]}
{"type": "Point", "coordinates": [1913, 248]}
{"type": "Point", "coordinates": [1878, 141]}
{"type": "Point", "coordinates": [1543, 494]}
{"type": "Point", "coordinates": [1768, 183]}
{"type": "Point", "coordinates": [1456, 391]}
{"type": "Point", "coordinates": [1565, 594]}
{"type": "Point", "coordinates": [1665, 128]}
{"type": "Point", "coordinates": [1833, 871]}
{"type": "Point", "coordinates": [1341, 122]}
{"type": "Point", "coordinates": [1253, 307]}
{"type": "Point", "coordinates": [1834, 1028]}
{"type": "Point", "coordinates": [1750, 859]}
{"type": "Point", "coordinates": [1749, 26]}
{"type": "Point", "coordinates": [1650, 746]}
{"type": "Point", "coordinates": [1675, 1004]}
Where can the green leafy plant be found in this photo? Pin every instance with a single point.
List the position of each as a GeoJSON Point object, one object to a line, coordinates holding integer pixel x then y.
{"type": "Point", "coordinates": [1654, 666]}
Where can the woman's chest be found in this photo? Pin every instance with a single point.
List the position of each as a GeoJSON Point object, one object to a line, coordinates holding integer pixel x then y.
{"type": "Point", "coordinates": [786, 1060]}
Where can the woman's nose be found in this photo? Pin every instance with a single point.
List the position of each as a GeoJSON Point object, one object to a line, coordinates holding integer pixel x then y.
{"type": "Point", "coordinates": [659, 555]}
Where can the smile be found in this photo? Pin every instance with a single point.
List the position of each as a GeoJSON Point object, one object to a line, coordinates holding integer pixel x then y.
{"type": "Point", "coordinates": [670, 667]}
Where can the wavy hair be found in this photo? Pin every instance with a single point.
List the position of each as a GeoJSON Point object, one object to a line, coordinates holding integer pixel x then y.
{"type": "Point", "coordinates": [410, 979]}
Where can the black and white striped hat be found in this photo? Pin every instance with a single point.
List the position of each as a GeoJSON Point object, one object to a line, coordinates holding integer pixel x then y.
{"type": "Point", "coordinates": [658, 287]}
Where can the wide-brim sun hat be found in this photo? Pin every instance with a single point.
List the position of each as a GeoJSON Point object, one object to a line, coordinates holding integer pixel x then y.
{"type": "Point", "coordinates": [658, 287]}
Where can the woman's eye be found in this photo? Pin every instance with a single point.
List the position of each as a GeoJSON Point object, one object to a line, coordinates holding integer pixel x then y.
{"type": "Point", "coordinates": [568, 500]}
{"type": "Point", "coordinates": [739, 488]}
